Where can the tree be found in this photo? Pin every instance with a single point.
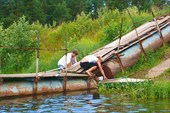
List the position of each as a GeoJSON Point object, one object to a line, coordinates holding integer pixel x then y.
{"type": "Point", "coordinates": [8, 12]}
{"type": "Point", "coordinates": [76, 7]}
{"type": "Point", "coordinates": [46, 11]}
{"type": "Point", "coordinates": [118, 4]}
{"type": "Point", "coordinates": [33, 11]}
{"type": "Point", "coordinates": [11, 10]}
{"type": "Point", "coordinates": [61, 13]}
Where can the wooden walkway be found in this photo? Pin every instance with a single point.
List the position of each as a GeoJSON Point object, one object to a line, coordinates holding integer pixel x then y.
{"type": "Point", "coordinates": [159, 69]}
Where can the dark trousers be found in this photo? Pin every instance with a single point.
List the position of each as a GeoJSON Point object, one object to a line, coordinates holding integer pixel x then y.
{"type": "Point", "coordinates": [87, 65]}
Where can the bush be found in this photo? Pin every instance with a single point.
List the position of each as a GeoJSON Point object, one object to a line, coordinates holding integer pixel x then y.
{"type": "Point", "coordinates": [18, 35]}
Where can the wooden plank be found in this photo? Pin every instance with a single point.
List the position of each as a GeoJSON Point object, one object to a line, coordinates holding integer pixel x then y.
{"type": "Point", "coordinates": [143, 38]}
{"type": "Point", "coordinates": [142, 30]}
{"type": "Point", "coordinates": [126, 41]}
{"type": "Point", "coordinates": [53, 74]}
{"type": "Point", "coordinates": [106, 52]}
{"type": "Point", "coordinates": [103, 52]}
{"type": "Point", "coordinates": [131, 36]}
{"type": "Point", "coordinates": [107, 56]}
{"type": "Point", "coordinates": [80, 71]}
{"type": "Point", "coordinates": [74, 75]}
{"type": "Point", "coordinates": [74, 67]}
{"type": "Point", "coordinates": [29, 75]}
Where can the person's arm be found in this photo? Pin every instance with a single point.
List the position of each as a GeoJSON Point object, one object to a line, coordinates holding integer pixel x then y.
{"type": "Point", "coordinates": [101, 69]}
{"type": "Point", "coordinates": [69, 60]}
{"type": "Point", "coordinates": [75, 59]}
{"type": "Point", "coordinates": [69, 65]}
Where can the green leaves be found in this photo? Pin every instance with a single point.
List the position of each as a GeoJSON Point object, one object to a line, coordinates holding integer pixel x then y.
{"type": "Point", "coordinates": [47, 11]}
{"type": "Point", "coordinates": [138, 91]}
{"type": "Point", "coordinates": [18, 35]}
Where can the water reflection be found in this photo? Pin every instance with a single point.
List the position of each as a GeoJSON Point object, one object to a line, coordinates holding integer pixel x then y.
{"type": "Point", "coordinates": [96, 95]}
{"type": "Point", "coordinates": [80, 102]}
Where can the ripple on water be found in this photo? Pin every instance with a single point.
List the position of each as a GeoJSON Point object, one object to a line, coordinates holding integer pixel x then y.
{"type": "Point", "coordinates": [143, 109]}
{"type": "Point", "coordinates": [80, 109]}
{"type": "Point", "coordinates": [81, 103]}
{"type": "Point", "coordinates": [165, 111]}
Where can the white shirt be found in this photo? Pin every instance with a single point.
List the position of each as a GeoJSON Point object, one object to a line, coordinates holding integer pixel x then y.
{"type": "Point", "coordinates": [91, 58]}
{"type": "Point", "coordinates": [62, 61]}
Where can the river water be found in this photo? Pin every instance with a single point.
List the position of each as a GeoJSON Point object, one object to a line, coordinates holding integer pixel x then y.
{"type": "Point", "coordinates": [81, 102]}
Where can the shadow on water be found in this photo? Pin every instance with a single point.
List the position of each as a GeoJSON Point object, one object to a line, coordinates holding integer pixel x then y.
{"type": "Point", "coordinates": [79, 102]}
{"type": "Point", "coordinates": [96, 95]}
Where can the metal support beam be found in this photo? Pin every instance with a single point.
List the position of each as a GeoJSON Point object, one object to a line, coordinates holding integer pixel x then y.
{"type": "Point", "coordinates": [119, 61]}
{"type": "Point", "coordinates": [139, 41]}
{"type": "Point", "coordinates": [88, 83]}
{"type": "Point", "coordinates": [65, 77]}
{"type": "Point", "coordinates": [158, 28]}
{"type": "Point", "coordinates": [37, 66]}
{"type": "Point", "coordinates": [120, 34]}
{"type": "Point", "coordinates": [117, 54]}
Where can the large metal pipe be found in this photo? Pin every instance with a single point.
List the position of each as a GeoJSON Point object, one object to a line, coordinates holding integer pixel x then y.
{"type": "Point", "coordinates": [131, 55]}
{"type": "Point", "coordinates": [13, 88]}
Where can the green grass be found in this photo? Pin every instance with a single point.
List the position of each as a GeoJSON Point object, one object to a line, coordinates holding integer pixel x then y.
{"type": "Point", "coordinates": [156, 90]}
{"type": "Point", "coordinates": [159, 89]}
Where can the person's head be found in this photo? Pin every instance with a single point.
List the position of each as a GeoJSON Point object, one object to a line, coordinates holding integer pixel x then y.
{"type": "Point", "coordinates": [74, 52]}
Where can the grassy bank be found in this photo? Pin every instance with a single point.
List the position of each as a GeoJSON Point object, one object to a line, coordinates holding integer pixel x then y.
{"type": "Point", "coordinates": [159, 89]}
{"type": "Point", "coordinates": [156, 90]}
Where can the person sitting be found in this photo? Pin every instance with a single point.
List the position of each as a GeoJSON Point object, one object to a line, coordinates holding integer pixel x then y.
{"type": "Point", "coordinates": [90, 63]}
{"type": "Point", "coordinates": [71, 59]}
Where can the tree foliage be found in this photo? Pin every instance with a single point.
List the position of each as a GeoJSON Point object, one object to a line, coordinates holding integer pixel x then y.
{"type": "Point", "coordinates": [47, 11]}
{"type": "Point", "coordinates": [18, 35]}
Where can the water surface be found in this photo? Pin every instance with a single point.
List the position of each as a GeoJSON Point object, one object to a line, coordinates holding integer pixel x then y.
{"type": "Point", "coordinates": [81, 102]}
